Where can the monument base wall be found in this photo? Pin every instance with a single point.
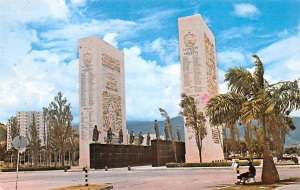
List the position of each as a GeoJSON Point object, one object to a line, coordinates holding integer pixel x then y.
{"type": "Point", "coordinates": [114, 155]}
{"type": "Point", "coordinates": [167, 151]}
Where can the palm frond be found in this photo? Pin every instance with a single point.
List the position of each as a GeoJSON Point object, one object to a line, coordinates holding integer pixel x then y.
{"type": "Point", "coordinates": [240, 80]}
{"type": "Point", "coordinates": [225, 108]}
{"type": "Point", "coordinates": [259, 72]}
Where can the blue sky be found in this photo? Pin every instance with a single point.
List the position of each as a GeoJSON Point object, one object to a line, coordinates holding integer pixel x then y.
{"type": "Point", "coordinates": [38, 47]}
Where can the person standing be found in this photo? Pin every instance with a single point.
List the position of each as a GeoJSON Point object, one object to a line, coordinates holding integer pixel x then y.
{"type": "Point", "coordinates": [156, 129]}
{"type": "Point", "coordinates": [148, 139]}
{"type": "Point", "coordinates": [178, 133]}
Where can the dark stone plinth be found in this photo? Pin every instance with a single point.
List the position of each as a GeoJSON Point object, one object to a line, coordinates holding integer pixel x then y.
{"type": "Point", "coordinates": [167, 151]}
{"type": "Point", "coordinates": [114, 155]}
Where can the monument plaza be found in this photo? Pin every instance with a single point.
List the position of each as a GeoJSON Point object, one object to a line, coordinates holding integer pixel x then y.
{"type": "Point", "coordinates": [102, 99]}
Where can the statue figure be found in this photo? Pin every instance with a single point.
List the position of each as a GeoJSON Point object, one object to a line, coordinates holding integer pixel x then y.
{"type": "Point", "coordinates": [148, 139]}
{"type": "Point", "coordinates": [156, 129]}
{"type": "Point", "coordinates": [141, 138]}
{"type": "Point", "coordinates": [167, 137]}
{"type": "Point", "coordinates": [95, 134]}
{"type": "Point", "coordinates": [131, 137]}
{"type": "Point", "coordinates": [178, 133]}
{"type": "Point", "coordinates": [109, 135]}
{"type": "Point", "coordinates": [120, 140]}
{"type": "Point", "coordinates": [165, 115]}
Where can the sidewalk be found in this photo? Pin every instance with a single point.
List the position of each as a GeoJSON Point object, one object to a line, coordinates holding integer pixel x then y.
{"type": "Point", "coordinates": [289, 187]}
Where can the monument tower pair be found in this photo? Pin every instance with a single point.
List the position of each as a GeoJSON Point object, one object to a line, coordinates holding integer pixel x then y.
{"type": "Point", "coordinates": [102, 91]}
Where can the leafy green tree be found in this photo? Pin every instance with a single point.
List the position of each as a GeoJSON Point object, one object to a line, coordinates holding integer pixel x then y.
{"type": "Point", "coordinates": [14, 130]}
{"type": "Point", "coordinates": [250, 98]}
{"type": "Point", "coordinates": [34, 142]}
{"type": "Point", "coordinates": [194, 119]}
{"type": "Point", "coordinates": [60, 119]}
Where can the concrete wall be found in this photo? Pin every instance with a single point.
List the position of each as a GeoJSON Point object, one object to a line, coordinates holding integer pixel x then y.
{"type": "Point", "coordinates": [114, 155]}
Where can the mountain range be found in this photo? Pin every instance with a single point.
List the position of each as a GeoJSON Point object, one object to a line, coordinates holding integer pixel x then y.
{"type": "Point", "coordinates": [293, 137]}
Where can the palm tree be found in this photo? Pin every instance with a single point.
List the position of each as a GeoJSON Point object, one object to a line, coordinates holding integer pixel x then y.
{"type": "Point", "coordinates": [250, 98]}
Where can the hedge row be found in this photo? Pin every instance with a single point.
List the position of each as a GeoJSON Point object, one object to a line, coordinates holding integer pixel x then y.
{"type": "Point", "coordinates": [210, 164]}
{"type": "Point", "coordinates": [36, 169]}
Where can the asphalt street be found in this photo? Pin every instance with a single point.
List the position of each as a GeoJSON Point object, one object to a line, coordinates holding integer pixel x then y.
{"type": "Point", "coordinates": [138, 178]}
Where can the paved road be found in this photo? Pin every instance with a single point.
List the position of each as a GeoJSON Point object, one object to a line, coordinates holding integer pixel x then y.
{"type": "Point", "coordinates": [139, 178]}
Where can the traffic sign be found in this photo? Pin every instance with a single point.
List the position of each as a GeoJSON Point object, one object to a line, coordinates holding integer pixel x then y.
{"type": "Point", "coordinates": [19, 142]}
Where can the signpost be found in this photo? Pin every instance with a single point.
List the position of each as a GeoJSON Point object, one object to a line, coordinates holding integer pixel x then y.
{"type": "Point", "coordinates": [19, 143]}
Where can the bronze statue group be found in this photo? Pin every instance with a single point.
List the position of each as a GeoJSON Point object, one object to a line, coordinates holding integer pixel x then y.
{"type": "Point", "coordinates": [110, 134]}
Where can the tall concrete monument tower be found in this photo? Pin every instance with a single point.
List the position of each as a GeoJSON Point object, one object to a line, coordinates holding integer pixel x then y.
{"type": "Point", "coordinates": [199, 79]}
{"type": "Point", "coordinates": [102, 93]}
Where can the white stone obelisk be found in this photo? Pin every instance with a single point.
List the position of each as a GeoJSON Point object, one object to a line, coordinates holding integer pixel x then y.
{"type": "Point", "coordinates": [102, 93]}
{"type": "Point", "coordinates": [199, 79]}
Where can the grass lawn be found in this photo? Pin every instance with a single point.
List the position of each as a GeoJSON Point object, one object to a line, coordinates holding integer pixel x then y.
{"type": "Point", "coordinates": [258, 185]}
{"type": "Point", "coordinates": [82, 187]}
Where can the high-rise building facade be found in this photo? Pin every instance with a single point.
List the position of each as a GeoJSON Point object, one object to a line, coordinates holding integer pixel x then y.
{"type": "Point", "coordinates": [24, 120]}
{"type": "Point", "coordinates": [199, 80]}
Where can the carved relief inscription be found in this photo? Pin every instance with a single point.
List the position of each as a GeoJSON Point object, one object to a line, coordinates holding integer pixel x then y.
{"type": "Point", "coordinates": [212, 83]}
{"type": "Point", "coordinates": [112, 111]}
{"type": "Point", "coordinates": [110, 62]}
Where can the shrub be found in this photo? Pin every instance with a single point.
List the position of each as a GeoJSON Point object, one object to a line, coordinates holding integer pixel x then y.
{"type": "Point", "coordinates": [209, 164]}
{"type": "Point", "coordinates": [35, 169]}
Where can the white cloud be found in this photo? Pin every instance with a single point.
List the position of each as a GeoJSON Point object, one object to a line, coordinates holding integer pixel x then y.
{"type": "Point", "coordinates": [236, 32]}
{"type": "Point", "coordinates": [33, 10]}
{"type": "Point", "coordinates": [78, 2]}
{"type": "Point", "coordinates": [149, 86]}
{"type": "Point", "coordinates": [245, 10]}
{"type": "Point", "coordinates": [283, 33]}
{"type": "Point", "coordinates": [282, 60]}
{"type": "Point", "coordinates": [231, 58]}
{"type": "Point", "coordinates": [167, 50]}
{"type": "Point", "coordinates": [111, 39]}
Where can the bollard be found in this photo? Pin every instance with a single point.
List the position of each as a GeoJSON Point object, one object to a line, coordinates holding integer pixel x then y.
{"type": "Point", "coordinates": [65, 169]}
{"type": "Point", "coordinates": [129, 168]}
{"type": "Point", "coordinates": [237, 172]}
{"type": "Point", "coordinates": [86, 176]}
{"type": "Point", "coordinates": [105, 168]}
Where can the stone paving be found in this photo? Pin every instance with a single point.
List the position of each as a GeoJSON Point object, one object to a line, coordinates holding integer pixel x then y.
{"type": "Point", "coordinates": [139, 178]}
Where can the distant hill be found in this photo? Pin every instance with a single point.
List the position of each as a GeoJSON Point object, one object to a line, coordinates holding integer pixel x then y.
{"type": "Point", "coordinates": [147, 126]}
{"type": "Point", "coordinates": [293, 137]}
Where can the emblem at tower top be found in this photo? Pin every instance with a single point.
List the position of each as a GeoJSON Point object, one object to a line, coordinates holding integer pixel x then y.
{"type": "Point", "coordinates": [189, 40]}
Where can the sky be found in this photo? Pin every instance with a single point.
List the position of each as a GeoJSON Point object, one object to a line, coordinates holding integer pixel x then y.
{"type": "Point", "coordinates": [39, 56]}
